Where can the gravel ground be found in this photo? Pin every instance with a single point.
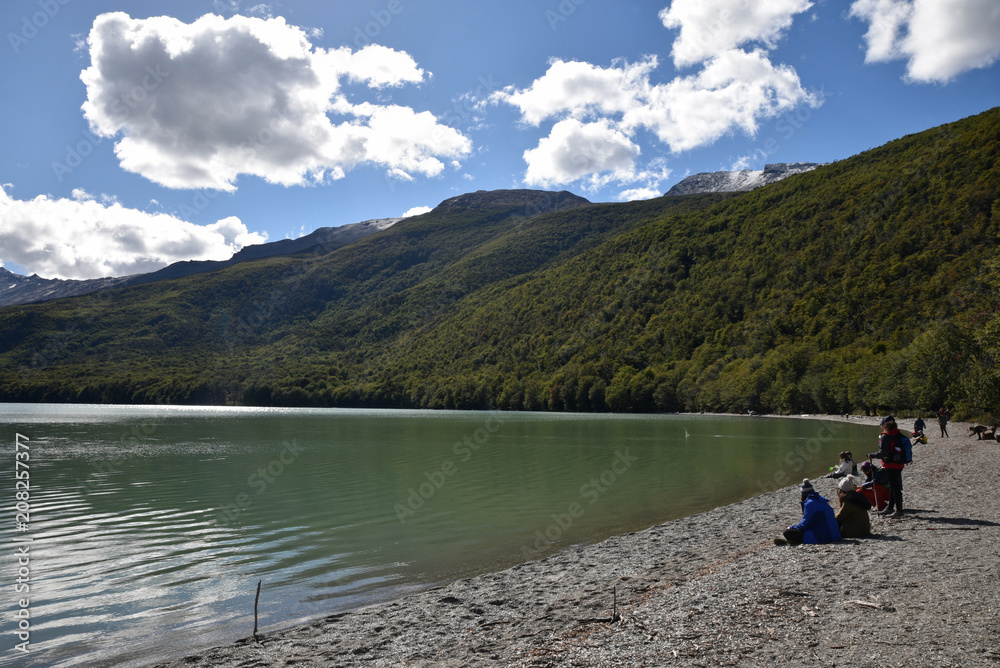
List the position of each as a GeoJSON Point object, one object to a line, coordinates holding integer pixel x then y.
{"type": "Point", "coordinates": [710, 590]}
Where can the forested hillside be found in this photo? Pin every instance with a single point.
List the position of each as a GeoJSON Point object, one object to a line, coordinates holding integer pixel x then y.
{"type": "Point", "coordinates": [869, 284]}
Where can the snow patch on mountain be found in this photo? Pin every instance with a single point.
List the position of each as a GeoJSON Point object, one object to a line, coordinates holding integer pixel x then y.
{"type": "Point", "coordinates": [741, 181]}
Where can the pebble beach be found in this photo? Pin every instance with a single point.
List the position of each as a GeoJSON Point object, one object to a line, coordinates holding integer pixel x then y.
{"type": "Point", "coordinates": [711, 589]}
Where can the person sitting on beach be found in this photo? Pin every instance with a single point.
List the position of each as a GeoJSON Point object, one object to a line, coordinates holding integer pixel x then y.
{"type": "Point", "coordinates": [847, 466]}
{"type": "Point", "coordinates": [818, 523]}
{"type": "Point", "coordinates": [875, 487]}
{"type": "Point", "coordinates": [852, 518]}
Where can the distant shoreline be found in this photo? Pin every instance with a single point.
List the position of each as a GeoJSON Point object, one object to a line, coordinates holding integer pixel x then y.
{"type": "Point", "coordinates": [710, 588]}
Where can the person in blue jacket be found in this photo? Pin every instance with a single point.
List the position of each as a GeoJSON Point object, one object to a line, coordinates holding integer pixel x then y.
{"type": "Point", "coordinates": [818, 523]}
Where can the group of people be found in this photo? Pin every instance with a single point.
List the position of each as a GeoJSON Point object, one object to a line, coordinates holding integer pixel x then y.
{"type": "Point", "coordinates": [881, 489]}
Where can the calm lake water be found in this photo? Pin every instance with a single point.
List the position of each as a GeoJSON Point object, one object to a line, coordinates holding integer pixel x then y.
{"type": "Point", "coordinates": [150, 526]}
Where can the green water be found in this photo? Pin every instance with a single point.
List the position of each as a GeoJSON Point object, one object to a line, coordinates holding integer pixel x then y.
{"type": "Point", "coordinates": [150, 526]}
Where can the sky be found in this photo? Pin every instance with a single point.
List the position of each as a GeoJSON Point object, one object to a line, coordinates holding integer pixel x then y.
{"type": "Point", "coordinates": [137, 133]}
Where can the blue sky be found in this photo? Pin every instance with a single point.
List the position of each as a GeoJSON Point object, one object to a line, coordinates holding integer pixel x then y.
{"type": "Point", "coordinates": [139, 133]}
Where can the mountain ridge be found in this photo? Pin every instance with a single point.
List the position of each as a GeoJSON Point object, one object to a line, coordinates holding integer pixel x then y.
{"type": "Point", "coordinates": [533, 201]}
{"type": "Point", "coordinates": [16, 289]}
{"type": "Point", "coordinates": [869, 284]}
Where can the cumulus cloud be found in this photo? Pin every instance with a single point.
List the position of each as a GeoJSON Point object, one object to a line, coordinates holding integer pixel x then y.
{"type": "Point", "coordinates": [416, 211]}
{"type": "Point", "coordinates": [575, 150]}
{"type": "Point", "coordinates": [734, 91]}
{"type": "Point", "coordinates": [579, 89]}
{"type": "Point", "coordinates": [939, 40]}
{"type": "Point", "coordinates": [594, 130]}
{"type": "Point", "coordinates": [635, 194]}
{"type": "Point", "coordinates": [597, 112]}
{"type": "Point", "coordinates": [709, 28]}
{"type": "Point", "coordinates": [88, 237]}
{"type": "Point", "coordinates": [196, 105]}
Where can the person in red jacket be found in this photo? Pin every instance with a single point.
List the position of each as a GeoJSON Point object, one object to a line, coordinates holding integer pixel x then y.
{"type": "Point", "coordinates": [891, 450]}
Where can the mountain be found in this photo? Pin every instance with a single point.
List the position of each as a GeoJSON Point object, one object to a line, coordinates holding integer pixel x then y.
{"type": "Point", "coordinates": [533, 201]}
{"type": "Point", "coordinates": [741, 181]}
{"type": "Point", "coordinates": [872, 283]}
{"type": "Point", "coordinates": [16, 289]}
{"type": "Point", "coordinates": [322, 240]}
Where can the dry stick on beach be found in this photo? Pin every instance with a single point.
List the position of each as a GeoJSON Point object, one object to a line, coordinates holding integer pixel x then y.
{"type": "Point", "coordinates": [255, 600]}
{"type": "Point", "coordinates": [604, 620]}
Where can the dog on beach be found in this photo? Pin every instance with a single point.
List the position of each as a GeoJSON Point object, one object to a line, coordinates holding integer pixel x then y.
{"type": "Point", "coordinates": [978, 430]}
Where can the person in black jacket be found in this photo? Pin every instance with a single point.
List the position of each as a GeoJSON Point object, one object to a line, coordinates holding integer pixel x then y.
{"type": "Point", "coordinates": [891, 448]}
{"type": "Point", "coordinates": [943, 416]}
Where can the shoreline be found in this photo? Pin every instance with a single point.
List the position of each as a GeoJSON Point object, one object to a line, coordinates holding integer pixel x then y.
{"type": "Point", "coordinates": [710, 589]}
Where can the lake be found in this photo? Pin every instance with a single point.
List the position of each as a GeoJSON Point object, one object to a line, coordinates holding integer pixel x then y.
{"type": "Point", "coordinates": [150, 526]}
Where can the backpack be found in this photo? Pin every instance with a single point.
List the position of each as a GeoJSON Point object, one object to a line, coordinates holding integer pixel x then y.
{"type": "Point", "coordinates": [902, 449]}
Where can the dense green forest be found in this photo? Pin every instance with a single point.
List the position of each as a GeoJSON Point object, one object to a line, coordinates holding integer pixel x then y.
{"type": "Point", "coordinates": [870, 284]}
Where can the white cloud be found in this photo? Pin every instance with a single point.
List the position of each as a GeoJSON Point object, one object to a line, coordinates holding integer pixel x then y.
{"type": "Point", "coordinates": [887, 21]}
{"type": "Point", "coordinates": [574, 150]}
{"type": "Point", "coordinates": [741, 163]}
{"type": "Point", "coordinates": [734, 90]}
{"type": "Point", "coordinates": [263, 10]}
{"type": "Point", "coordinates": [709, 28]}
{"type": "Point", "coordinates": [198, 104]}
{"type": "Point", "coordinates": [85, 238]}
{"type": "Point", "coordinates": [579, 89]}
{"type": "Point", "coordinates": [416, 211]}
{"type": "Point", "coordinates": [939, 40]}
{"type": "Point", "coordinates": [379, 66]}
{"type": "Point", "coordinates": [635, 194]}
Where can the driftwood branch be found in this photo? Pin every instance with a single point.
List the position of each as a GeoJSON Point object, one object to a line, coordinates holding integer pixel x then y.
{"type": "Point", "coordinates": [867, 604]}
{"type": "Point", "coordinates": [255, 600]}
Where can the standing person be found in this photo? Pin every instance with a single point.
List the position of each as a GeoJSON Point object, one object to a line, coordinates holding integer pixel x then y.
{"type": "Point", "coordinates": [919, 425]}
{"type": "Point", "coordinates": [818, 523]}
{"type": "Point", "coordinates": [943, 416]}
{"type": "Point", "coordinates": [892, 451]}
